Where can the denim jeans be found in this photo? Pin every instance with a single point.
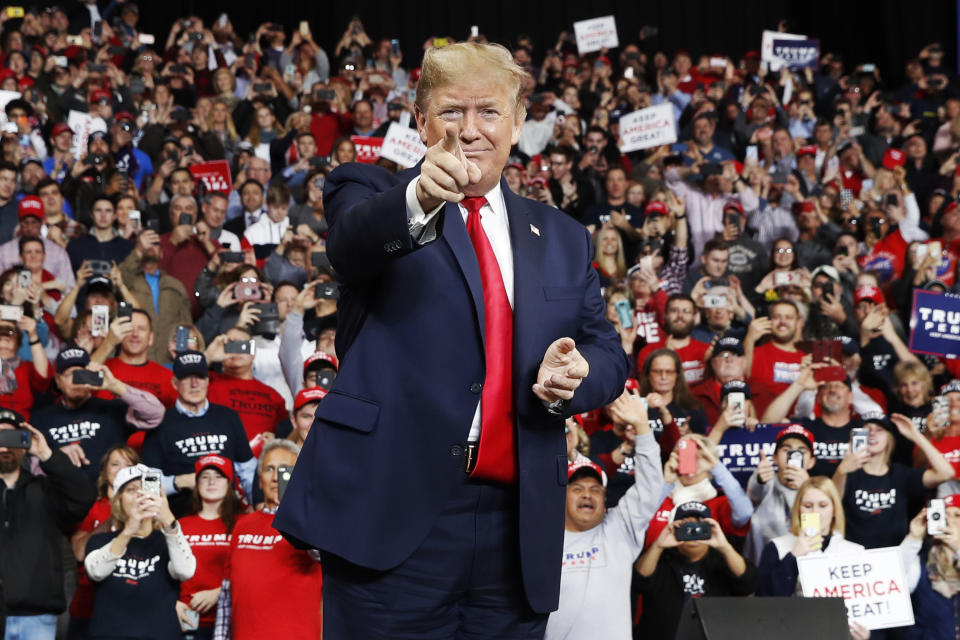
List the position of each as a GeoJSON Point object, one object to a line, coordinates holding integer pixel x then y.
{"type": "Point", "coordinates": [42, 627]}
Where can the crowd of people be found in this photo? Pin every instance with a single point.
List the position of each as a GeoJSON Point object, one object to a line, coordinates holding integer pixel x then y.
{"type": "Point", "coordinates": [165, 342]}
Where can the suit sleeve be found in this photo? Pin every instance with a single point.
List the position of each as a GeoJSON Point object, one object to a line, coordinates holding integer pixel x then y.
{"type": "Point", "coordinates": [599, 344]}
{"type": "Point", "coordinates": [367, 211]}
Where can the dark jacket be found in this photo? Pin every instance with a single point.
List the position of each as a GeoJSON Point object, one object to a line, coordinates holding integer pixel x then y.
{"type": "Point", "coordinates": [936, 616]}
{"type": "Point", "coordinates": [36, 514]}
{"type": "Point", "coordinates": [664, 596]}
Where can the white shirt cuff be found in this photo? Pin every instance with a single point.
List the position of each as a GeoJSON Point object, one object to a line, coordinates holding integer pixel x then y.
{"type": "Point", "coordinates": [416, 217]}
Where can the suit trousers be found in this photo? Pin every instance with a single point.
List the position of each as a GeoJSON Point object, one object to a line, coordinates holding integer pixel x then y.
{"type": "Point", "coordinates": [462, 583]}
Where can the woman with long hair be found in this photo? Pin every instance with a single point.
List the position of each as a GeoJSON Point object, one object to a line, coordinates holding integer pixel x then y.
{"type": "Point", "coordinates": [219, 122]}
{"type": "Point", "coordinates": [342, 152]}
{"type": "Point", "coordinates": [264, 130]}
{"type": "Point", "coordinates": [673, 409]}
{"type": "Point", "coordinates": [931, 572]}
{"type": "Point", "coordinates": [783, 257]}
{"type": "Point", "coordinates": [216, 508]}
{"type": "Point", "coordinates": [136, 567]}
{"type": "Point", "coordinates": [81, 606]}
{"type": "Point", "coordinates": [777, 572]}
{"type": "Point", "coordinates": [610, 261]}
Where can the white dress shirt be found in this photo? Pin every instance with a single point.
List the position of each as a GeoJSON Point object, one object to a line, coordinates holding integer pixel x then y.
{"type": "Point", "coordinates": [493, 218]}
{"type": "Point", "coordinates": [266, 231]}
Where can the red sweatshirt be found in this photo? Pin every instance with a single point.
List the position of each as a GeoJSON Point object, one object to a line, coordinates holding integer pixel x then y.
{"type": "Point", "coordinates": [260, 407]}
{"type": "Point", "coordinates": [210, 544]}
{"type": "Point", "coordinates": [275, 589]}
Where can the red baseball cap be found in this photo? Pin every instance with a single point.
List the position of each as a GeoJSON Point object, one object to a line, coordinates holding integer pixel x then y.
{"type": "Point", "coordinates": [796, 431]}
{"type": "Point", "coordinates": [325, 360]}
{"type": "Point", "coordinates": [30, 206]}
{"type": "Point", "coordinates": [415, 73]}
{"type": "Point", "coordinates": [809, 150]}
{"type": "Point", "coordinates": [952, 500]}
{"type": "Point", "coordinates": [868, 292]}
{"type": "Point", "coordinates": [100, 94]}
{"type": "Point", "coordinates": [583, 462]}
{"type": "Point", "coordinates": [214, 461]}
{"type": "Point", "coordinates": [656, 207]}
{"type": "Point", "coordinates": [733, 204]}
{"type": "Point", "coordinates": [515, 165]}
{"type": "Point", "coordinates": [894, 158]}
{"type": "Point", "coordinates": [538, 180]}
{"type": "Point", "coordinates": [59, 128]}
{"type": "Point", "coordinates": [306, 396]}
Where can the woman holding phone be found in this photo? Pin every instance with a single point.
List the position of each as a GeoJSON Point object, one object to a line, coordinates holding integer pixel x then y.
{"type": "Point", "coordinates": [876, 492]}
{"type": "Point", "coordinates": [137, 566]}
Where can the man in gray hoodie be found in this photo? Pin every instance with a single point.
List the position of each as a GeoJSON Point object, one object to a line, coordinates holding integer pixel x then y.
{"type": "Point", "coordinates": [773, 489]}
{"type": "Point", "coordinates": [600, 546]}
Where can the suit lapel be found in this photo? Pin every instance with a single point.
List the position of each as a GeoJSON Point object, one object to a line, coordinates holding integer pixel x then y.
{"type": "Point", "coordinates": [456, 236]}
{"type": "Point", "coordinates": [528, 264]}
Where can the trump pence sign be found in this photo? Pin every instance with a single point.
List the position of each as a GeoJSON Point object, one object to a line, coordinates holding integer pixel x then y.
{"type": "Point", "coordinates": [935, 323]}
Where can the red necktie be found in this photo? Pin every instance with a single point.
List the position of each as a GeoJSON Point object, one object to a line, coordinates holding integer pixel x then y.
{"type": "Point", "coordinates": [497, 456]}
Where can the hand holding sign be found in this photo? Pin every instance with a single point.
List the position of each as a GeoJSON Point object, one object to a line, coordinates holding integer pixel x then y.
{"type": "Point", "coordinates": [445, 172]}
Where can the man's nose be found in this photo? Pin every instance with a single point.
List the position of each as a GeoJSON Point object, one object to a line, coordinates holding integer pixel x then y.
{"type": "Point", "coordinates": [468, 128]}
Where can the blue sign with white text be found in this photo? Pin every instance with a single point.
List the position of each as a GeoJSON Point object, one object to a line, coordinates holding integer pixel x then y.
{"type": "Point", "coordinates": [935, 323]}
{"type": "Point", "coordinates": [740, 449]}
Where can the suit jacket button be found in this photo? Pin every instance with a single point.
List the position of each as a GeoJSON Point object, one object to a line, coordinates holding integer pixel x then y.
{"type": "Point", "coordinates": [476, 387]}
{"type": "Point", "coordinates": [456, 450]}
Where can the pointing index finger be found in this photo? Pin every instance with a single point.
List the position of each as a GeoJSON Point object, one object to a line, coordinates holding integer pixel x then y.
{"type": "Point", "coordinates": [451, 138]}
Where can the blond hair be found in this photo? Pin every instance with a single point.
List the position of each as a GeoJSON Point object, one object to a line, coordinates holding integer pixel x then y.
{"type": "Point", "coordinates": [912, 368]}
{"type": "Point", "coordinates": [825, 484]}
{"type": "Point", "coordinates": [446, 65]}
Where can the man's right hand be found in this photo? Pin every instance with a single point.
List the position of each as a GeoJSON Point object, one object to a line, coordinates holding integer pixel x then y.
{"type": "Point", "coordinates": [445, 172]}
{"type": "Point", "coordinates": [75, 452]}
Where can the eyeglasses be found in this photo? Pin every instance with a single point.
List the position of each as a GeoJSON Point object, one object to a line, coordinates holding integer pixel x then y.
{"type": "Point", "coordinates": [784, 250]}
{"type": "Point", "coordinates": [249, 280]}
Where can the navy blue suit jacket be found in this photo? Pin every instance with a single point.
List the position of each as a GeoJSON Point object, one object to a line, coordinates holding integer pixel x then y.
{"type": "Point", "coordinates": [377, 466]}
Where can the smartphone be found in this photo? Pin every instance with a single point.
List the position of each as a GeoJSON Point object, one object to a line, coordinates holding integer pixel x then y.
{"type": "Point", "coordinates": [16, 12]}
{"type": "Point", "coordinates": [782, 278]}
{"type": "Point", "coordinates": [440, 42]}
{"type": "Point", "coordinates": [99, 267]}
{"type": "Point", "coordinates": [124, 310]}
{"type": "Point", "coordinates": [868, 68]}
{"type": "Point", "coordinates": [319, 162]}
{"type": "Point", "coordinates": [714, 301]}
{"type": "Point", "coordinates": [304, 28]}
{"type": "Point", "coordinates": [85, 376]}
{"type": "Point", "coordinates": [182, 340]}
{"type": "Point", "coordinates": [624, 313]}
{"type": "Point", "coordinates": [185, 219]}
{"type": "Point", "coordinates": [178, 68]}
{"type": "Point", "coordinates": [24, 278]}
{"type": "Point", "coordinates": [97, 30]}
{"type": "Point", "coordinates": [75, 41]}
{"type": "Point", "coordinates": [95, 67]}
{"type": "Point", "coordinates": [935, 249]}
{"type": "Point", "coordinates": [11, 312]}
{"type": "Point", "coordinates": [687, 457]}
{"type": "Point", "coordinates": [283, 478]}
{"type": "Point", "coordinates": [243, 347]}
{"type": "Point", "coordinates": [290, 70]}
{"type": "Point", "coordinates": [117, 51]}
{"type": "Point", "coordinates": [395, 47]}
{"type": "Point", "coordinates": [262, 87]}
{"type": "Point", "coordinates": [474, 31]}
{"type": "Point", "coordinates": [858, 438]}
{"type": "Point", "coordinates": [737, 402]}
{"type": "Point", "coordinates": [890, 200]}
{"type": "Point", "coordinates": [718, 62]}
{"type": "Point", "coordinates": [60, 61]}
{"type": "Point", "coordinates": [325, 94]}
{"type": "Point", "coordinates": [936, 517]}
{"type": "Point", "coordinates": [693, 530]}
{"type": "Point", "coordinates": [146, 38]}
{"type": "Point", "coordinates": [15, 438]}
{"type": "Point", "coordinates": [100, 320]}
{"type": "Point", "coordinates": [327, 291]}
{"type": "Point", "coordinates": [222, 20]}
{"type": "Point", "coordinates": [795, 459]}
{"type": "Point", "coordinates": [810, 525]}
{"type": "Point", "coordinates": [191, 621]}
{"type": "Point", "coordinates": [628, 73]}
{"type": "Point", "coordinates": [232, 256]}
{"type": "Point", "coordinates": [248, 291]}
{"type": "Point", "coordinates": [153, 225]}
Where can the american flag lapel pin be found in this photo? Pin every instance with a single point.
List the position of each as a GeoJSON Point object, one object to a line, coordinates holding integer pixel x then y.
{"type": "Point", "coordinates": [534, 230]}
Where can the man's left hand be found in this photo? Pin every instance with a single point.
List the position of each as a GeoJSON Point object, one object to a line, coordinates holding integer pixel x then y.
{"type": "Point", "coordinates": [561, 371]}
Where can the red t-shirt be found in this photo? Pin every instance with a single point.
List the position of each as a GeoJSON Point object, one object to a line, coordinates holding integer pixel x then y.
{"type": "Point", "coordinates": [275, 589]}
{"type": "Point", "coordinates": [708, 393]}
{"type": "Point", "coordinates": [949, 446]}
{"type": "Point", "coordinates": [82, 604]}
{"type": "Point", "coordinates": [29, 382]}
{"type": "Point", "coordinates": [210, 544]}
{"type": "Point", "coordinates": [260, 407]}
{"type": "Point", "coordinates": [691, 357]}
{"type": "Point", "coordinates": [719, 510]}
{"type": "Point", "coordinates": [773, 370]}
{"type": "Point", "coordinates": [151, 377]}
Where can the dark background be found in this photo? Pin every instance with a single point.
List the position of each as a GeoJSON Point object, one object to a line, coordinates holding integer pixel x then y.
{"type": "Point", "coordinates": [885, 32]}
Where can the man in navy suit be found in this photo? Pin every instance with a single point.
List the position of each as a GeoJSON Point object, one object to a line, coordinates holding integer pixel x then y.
{"type": "Point", "coordinates": [470, 324]}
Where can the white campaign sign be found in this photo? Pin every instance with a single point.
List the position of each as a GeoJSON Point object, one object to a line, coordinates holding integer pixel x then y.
{"type": "Point", "coordinates": [650, 127]}
{"type": "Point", "coordinates": [596, 34]}
{"type": "Point", "coordinates": [5, 98]}
{"type": "Point", "coordinates": [870, 582]}
{"type": "Point", "coordinates": [402, 145]}
{"type": "Point", "coordinates": [766, 48]}
{"type": "Point", "coordinates": [83, 124]}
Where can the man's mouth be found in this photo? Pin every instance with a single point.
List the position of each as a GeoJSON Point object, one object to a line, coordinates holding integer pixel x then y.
{"type": "Point", "coordinates": [587, 507]}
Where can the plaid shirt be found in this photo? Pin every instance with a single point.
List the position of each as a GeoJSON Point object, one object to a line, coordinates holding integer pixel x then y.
{"type": "Point", "coordinates": [674, 271]}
